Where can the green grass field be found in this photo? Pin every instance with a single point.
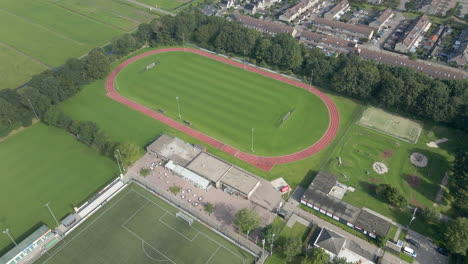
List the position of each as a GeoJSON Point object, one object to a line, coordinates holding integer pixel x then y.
{"type": "Point", "coordinates": [53, 31]}
{"type": "Point", "coordinates": [358, 155]}
{"type": "Point", "coordinates": [226, 102]}
{"type": "Point", "coordinates": [138, 227]}
{"type": "Point", "coordinates": [41, 164]}
{"type": "Point", "coordinates": [165, 4]}
{"type": "Point", "coordinates": [19, 69]}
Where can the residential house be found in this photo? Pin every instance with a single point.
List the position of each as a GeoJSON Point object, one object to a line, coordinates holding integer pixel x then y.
{"type": "Point", "coordinates": [342, 30]}
{"type": "Point", "coordinates": [269, 27]}
{"type": "Point", "coordinates": [380, 22]}
{"type": "Point", "coordinates": [297, 10]}
{"type": "Point", "coordinates": [337, 11]}
{"type": "Point", "coordinates": [413, 35]}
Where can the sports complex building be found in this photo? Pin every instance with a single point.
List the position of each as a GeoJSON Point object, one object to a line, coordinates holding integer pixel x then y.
{"type": "Point", "coordinates": [321, 197]}
{"type": "Point", "coordinates": [204, 170]}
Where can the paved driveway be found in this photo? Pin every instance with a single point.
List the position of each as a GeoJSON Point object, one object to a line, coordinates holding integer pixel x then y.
{"type": "Point", "coordinates": [426, 252]}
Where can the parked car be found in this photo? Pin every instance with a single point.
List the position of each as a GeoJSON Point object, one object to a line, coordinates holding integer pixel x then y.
{"type": "Point", "coordinates": [410, 251]}
{"type": "Point", "coordinates": [413, 242]}
{"type": "Point", "coordinates": [443, 251]}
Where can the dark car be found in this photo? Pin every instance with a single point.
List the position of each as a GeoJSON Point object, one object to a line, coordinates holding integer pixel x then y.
{"type": "Point", "coordinates": [443, 251]}
{"type": "Point", "coordinates": [413, 242]}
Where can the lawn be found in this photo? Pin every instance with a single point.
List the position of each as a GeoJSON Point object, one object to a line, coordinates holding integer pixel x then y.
{"type": "Point", "coordinates": [19, 69]}
{"type": "Point", "coordinates": [226, 102]}
{"type": "Point", "coordinates": [42, 164]}
{"type": "Point", "coordinates": [165, 4]}
{"type": "Point", "coordinates": [138, 227]}
{"type": "Point", "coordinates": [50, 32]}
{"type": "Point", "coordinates": [361, 147]}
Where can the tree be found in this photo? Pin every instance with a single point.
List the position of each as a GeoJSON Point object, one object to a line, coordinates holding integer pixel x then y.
{"type": "Point", "coordinates": [209, 208]}
{"type": "Point", "coordinates": [124, 45]}
{"type": "Point", "coordinates": [246, 220]}
{"type": "Point", "coordinates": [317, 256]}
{"type": "Point", "coordinates": [129, 153]}
{"type": "Point", "coordinates": [338, 260]}
{"type": "Point", "coordinates": [430, 214]}
{"type": "Point", "coordinates": [97, 64]}
{"type": "Point", "coordinates": [456, 236]}
{"type": "Point", "coordinates": [269, 232]}
{"type": "Point", "coordinates": [291, 248]}
{"type": "Point", "coordinates": [391, 195]}
{"type": "Point", "coordinates": [55, 117]}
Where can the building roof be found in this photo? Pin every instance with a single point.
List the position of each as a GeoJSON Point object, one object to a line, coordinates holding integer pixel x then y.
{"type": "Point", "coordinates": [414, 30]}
{"type": "Point", "coordinates": [266, 26]}
{"type": "Point", "coordinates": [338, 8]}
{"type": "Point", "coordinates": [188, 175]}
{"type": "Point", "coordinates": [174, 149]}
{"type": "Point", "coordinates": [384, 16]}
{"type": "Point", "coordinates": [240, 180]}
{"type": "Point", "coordinates": [432, 69]}
{"type": "Point", "coordinates": [324, 181]}
{"type": "Point", "coordinates": [249, 6]}
{"type": "Point", "coordinates": [373, 223]}
{"type": "Point", "coordinates": [332, 204]}
{"type": "Point", "coordinates": [24, 244]}
{"type": "Point", "coordinates": [209, 167]}
{"type": "Point", "coordinates": [327, 41]}
{"type": "Point", "coordinates": [360, 29]}
{"type": "Point", "coordinates": [330, 241]}
{"type": "Point", "coordinates": [293, 10]}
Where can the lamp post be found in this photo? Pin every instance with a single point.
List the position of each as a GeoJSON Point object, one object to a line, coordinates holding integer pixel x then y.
{"type": "Point", "coordinates": [271, 245]}
{"type": "Point", "coordinates": [51, 213]}
{"type": "Point", "coordinates": [178, 106]}
{"type": "Point", "coordinates": [7, 232]}
{"type": "Point", "coordinates": [32, 107]}
{"type": "Point", "coordinates": [263, 246]}
{"type": "Point", "coordinates": [252, 146]}
{"type": "Point", "coordinates": [121, 161]}
{"type": "Point", "coordinates": [413, 217]}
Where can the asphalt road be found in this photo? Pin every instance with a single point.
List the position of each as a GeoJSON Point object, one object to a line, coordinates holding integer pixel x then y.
{"type": "Point", "coordinates": [426, 252]}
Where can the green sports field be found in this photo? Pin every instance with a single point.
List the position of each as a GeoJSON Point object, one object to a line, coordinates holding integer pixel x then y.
{"type": "Point", "coordinates": [226, 102]}
{"type": "Point", "coordinates": [138, 227]}
{"type": "Point", "coordinates": [165, 4]}
{"type": "Point", "coordinates": [48, 32]}
{"type": "Point", "coordinates": [41, 164]}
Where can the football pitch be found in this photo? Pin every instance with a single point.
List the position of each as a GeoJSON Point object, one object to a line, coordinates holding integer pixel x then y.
{"type": "Point", "coordinates": [233, 105]}
{"type": "Point", "coordinates": [44, 33]}
{"type": "Point", "coordinates": [137, 227]}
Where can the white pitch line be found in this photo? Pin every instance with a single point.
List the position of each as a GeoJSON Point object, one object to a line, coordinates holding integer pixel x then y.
{"type": "Point", "coordinates": [147, 255]}
{"type": "Point", "coordinates": [212, 255]}
{"type": "Point", "coordinates": [133, 215]}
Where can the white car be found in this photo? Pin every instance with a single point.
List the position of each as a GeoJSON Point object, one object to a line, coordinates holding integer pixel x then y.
{"type": "Point", "coordinates": [409, 251]}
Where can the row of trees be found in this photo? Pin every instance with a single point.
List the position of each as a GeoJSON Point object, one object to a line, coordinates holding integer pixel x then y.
{"type": "Point", "coordinates": [458, 183]}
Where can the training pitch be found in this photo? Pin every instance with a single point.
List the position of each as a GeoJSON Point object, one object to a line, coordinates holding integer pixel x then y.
{"type": "Point", "coordinates": [138, 227]}
{"type": "Point", "coordinates": [390, 124]}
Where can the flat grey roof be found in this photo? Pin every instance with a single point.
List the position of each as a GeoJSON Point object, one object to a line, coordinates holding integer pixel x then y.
{"type": "Point", "coordinates": [24, 244]}
{"type": "Point", "coordinates": [324, 181]}
{"type": "Point", "coordinates": [240, 180]}
{"type": "Point", "coordinates": [209, 167]}
{"type": "Point", "coordinates": [332, 204]}
{"type": "Point", "coordinates": [373, 223]}
{"type": "Point", "coordinates": [174, 149]}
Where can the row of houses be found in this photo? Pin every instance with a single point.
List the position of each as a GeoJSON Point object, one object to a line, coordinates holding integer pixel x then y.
{"type": "Point", "coordinates": [413, 34]}
{"type": "Point", "coordinates": [341, 29]}
{"type": "Point", "coordinates": [381, 20]}
{"type": "Point", "coordinates": [337, 11]}
{"type": "Point", "coordinates": [297, 10]}
{"type": "Point", "coordinates": [319, 197]}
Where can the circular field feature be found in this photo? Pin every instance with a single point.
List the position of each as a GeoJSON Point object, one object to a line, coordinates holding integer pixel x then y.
{"type": "Point", "coordinates": [226, 102]}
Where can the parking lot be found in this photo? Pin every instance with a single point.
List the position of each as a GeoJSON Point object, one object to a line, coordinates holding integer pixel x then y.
{"type": "Point", "coordinates": [426, 252]}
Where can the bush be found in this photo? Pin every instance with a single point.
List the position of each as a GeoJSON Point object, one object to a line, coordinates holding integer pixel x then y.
{"type": "Point", "coordinates": [391, 195]}
{"type": "Point", "coordinates": [174, 189]}
{"type": "Point", "coordinates": [144, 172]}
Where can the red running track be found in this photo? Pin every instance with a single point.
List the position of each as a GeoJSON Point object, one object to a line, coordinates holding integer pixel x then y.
{"type": "Point", "coordinates": [264, 163]}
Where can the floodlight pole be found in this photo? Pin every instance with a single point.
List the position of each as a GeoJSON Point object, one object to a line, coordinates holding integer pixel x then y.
{"type": "Point", "coordinates": [178, 106]}
{"type": "Point", "coordinates": [7, 232]}
{"type": "Point", "coordinates": [32, 107]}
{"type": "Point", "coordinates": [263, 246]}
{"type": "Point", "coordinates": [271, 245]}
{"type": "Point", "coordinates": [51, 213]}
{"type": "Point", "coordinates": [252, 147]}
{"type": "Point", "coordinates": [413, 217]}
{"type": "Point", "coordinates": [118, 163]}
{"type": "Point", "coordinates": [121, 161]}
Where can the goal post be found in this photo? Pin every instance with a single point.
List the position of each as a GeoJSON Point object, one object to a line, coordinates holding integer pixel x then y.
{"type": "Point", "coordinates": [185, 218]}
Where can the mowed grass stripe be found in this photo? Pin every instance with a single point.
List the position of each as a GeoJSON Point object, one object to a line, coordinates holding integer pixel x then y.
{"type": "Point", "coordinates": [63, 22]}
{"type": "Point", "coordinates": [36, 41]}
{"type": "Point", "coordinates": [226, 102]}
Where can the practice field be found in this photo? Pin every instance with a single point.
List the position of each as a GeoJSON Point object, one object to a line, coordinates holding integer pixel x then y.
{"type": "Point", "coordinates": [41, 164]}
{"type": "Point", "coordinates": [165, 4]}
{"type": "Point", "coordinates": [390, 124]}
{"type": "Point", "coordinates": [226, 102]}
{"type": "Point", "coordinates": [50, 32]}
{"type": "Point", "coordinates": [138, 227]}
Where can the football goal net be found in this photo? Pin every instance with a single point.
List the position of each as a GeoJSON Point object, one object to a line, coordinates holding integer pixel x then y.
{"type": "Point", "coordinates": [151, 65]}
{"type": "Point", "coordinates": [185, 218]}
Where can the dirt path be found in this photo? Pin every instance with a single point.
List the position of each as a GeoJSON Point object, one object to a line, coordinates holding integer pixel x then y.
{"type": "Point", "coordinates": [264, 163]}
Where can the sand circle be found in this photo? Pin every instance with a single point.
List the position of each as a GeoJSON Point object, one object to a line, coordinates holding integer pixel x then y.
{"type": "Point", "coordinates": [418, 160]}
{"type": "Point", "coordinates": [380, 168]}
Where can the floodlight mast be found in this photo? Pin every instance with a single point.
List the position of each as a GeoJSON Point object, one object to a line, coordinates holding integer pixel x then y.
{"type": "Point", "coordinates": [32, 107]}
{"type": "Point", "coordinates": [252, 147]}
{"type": "Point", "coordinates": [51, 213]}
{"type": "Point", "coordinates": [121, 160]}
{"type": "Point", "coordinates": [7, 232]}
{"type": "Point", "coordinates": [178, 106]}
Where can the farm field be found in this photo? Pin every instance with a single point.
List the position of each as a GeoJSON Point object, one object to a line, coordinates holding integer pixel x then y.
{"type": "Point", "coordinates": [42, 164]}
{"type": "Point", "coordinates": [226, 102]}
{"type": "Point", "coordinates": [165, 4]}
{"type": "Point", "coordinates": [19, 69]}
{"type": "Point", "coordinates": [361, 147]}
{"type": "Point", "coordinates": [137, 227]}
{"type": "Point", "coordinates": [32, 28]}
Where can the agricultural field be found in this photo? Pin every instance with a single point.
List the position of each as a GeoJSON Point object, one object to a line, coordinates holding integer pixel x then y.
{"type": "Point", "coordinates": [49, 32]}
{"type": "Point", "coordinates": [138, 227]}
{"type": "Point", "coordinates": [165, 4]}
{"type": "Point", "coordinates": [226, 102]}
{"type": "Point", "coordinates": [361, 147]}
{"type": "Point", "coordinates": [42, 164]}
